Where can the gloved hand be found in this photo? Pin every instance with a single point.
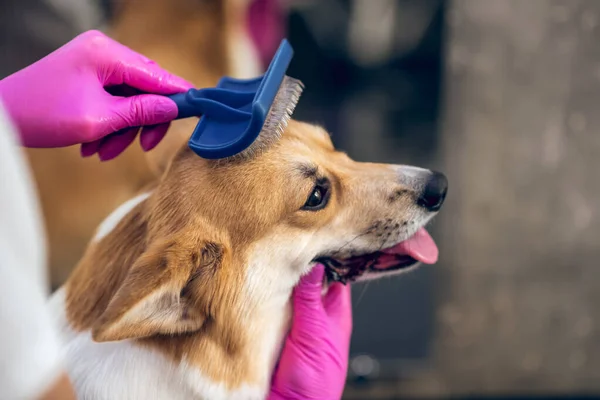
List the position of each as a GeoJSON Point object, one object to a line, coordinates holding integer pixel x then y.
{"type": "Point", "coordinates": [61, 99]}
{"type": "Point", "coordinates": [314, 360]}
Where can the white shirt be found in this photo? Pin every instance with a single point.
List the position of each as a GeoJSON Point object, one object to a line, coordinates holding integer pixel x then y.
{"type": "Point", "coordinates": [29, 351]}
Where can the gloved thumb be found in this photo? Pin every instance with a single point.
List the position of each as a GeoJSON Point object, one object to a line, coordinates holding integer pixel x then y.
{"type": "Point", "coordinates": [309, 317]}
{"type": "Point", "coordinates": [307, 293]}
{"type": "Point", "coordinates": [141, 110]}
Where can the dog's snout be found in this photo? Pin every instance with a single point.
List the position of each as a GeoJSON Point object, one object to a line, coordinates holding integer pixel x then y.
{"type": "Point", "coordinates": [434, 193]}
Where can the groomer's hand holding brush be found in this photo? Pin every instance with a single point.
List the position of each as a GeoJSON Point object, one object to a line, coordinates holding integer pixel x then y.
{"type": "Point", "coordinates": [314, 359]}
{"type": "Point", "coordinates": [93, 91]}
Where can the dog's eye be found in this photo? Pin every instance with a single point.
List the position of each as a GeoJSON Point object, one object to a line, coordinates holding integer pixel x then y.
{"type": "Point", "coordinates": [317, 199]}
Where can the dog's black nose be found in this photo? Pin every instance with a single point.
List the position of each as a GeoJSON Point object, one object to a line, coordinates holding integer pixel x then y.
{"type": "Point", "coordinates": [434, 193]}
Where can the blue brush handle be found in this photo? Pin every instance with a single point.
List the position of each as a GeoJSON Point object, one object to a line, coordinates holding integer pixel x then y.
{"type": "Point", "coordinates": [221, 104]}
{"type": "Point", "coordinates": [185, 108]}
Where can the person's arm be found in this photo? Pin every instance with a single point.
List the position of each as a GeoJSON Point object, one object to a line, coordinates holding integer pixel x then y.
{"type": "Point", "coordinates": [30, 364]}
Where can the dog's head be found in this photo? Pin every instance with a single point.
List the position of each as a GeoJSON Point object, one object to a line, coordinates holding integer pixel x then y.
{"type": "Point", "coordinates": [222, 236]}
{"type": "Point", "coordinates": [303, 201]}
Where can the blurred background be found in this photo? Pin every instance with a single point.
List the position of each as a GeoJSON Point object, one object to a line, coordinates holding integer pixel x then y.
{"type": "Point", "coordinates": [498, 94]}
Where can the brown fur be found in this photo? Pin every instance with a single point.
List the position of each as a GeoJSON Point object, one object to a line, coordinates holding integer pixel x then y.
{"type": "Point", "coordinates": [183, 252]}
{"type": "Point", "coordinates": [187, 37]}
{"type": "Point", "coordinates": [60, 390]}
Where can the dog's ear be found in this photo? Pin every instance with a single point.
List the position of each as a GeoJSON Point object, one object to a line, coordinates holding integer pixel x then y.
{"type": "Point", "coordinates": [159, 293]}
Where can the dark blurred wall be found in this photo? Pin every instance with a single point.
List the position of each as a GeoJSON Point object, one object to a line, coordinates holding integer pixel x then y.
{"type": "Point", "coordinates": [518, 284]}
{"type": "Point", "coordinates": [519, 302]}
{"type": "Point", "coordinates": [30, 29]}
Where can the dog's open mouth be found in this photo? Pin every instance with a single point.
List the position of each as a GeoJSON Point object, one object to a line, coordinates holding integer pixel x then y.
{"type": "Point", "coordinates": [418, 248]}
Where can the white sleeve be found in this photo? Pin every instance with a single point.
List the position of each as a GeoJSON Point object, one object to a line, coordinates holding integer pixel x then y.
{"type": "Point", "coordinates": [29, 351]}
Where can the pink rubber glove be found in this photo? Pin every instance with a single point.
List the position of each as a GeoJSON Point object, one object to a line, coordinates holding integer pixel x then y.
{"type": "Point", "coordinates": [314, 360]}
{"type": "Point", "coordinates": [61, 99]}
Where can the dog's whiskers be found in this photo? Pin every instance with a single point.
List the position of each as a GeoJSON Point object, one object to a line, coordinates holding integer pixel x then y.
{"type": "Point", "coordinates": [362, 293]}
{"type": "Point", "coordinates": [352, 240]}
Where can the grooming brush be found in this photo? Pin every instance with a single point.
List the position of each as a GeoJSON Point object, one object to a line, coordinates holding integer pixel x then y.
{"type": "Point", "coordinates": [239, 113]}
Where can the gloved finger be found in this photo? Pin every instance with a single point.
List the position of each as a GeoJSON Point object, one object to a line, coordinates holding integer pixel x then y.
{"type": "Point", "coordinates": [307, 294]}
{"type": "Point", "coordinates": [337, 301]}
{"type": "Point", "coordinates": [338, 306]}
{"type": "Point", "coordinates": [142, 110]}
{"type": "Point", "coordinates": [91, 148]}
{"type": "Point", "coordinates": [132, 69]}
{"type": "Point", "coordinates": [152, 135]}
{"type": "Point", "coordinates": [309, 319]}
{"type": "Point", "coordinates": [115, 144]}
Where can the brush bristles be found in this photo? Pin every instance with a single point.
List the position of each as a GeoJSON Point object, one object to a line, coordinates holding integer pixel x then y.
{"type": "Point", "coordinates": [277, 119]}
{"type": "Point", "coordinates": [282, 109]}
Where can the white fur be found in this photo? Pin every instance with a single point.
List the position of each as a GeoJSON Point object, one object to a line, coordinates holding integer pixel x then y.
{"type": "Point", "coordinates": [113, 219]}
{"type": "Point", "coordinates": [267, 269]}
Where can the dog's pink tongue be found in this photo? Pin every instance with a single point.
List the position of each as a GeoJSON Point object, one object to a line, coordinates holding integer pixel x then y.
{"type": "Point", "coordinates": [420, 246]}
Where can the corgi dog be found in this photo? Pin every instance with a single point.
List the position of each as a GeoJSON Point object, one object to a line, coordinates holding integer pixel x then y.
{"type": "Point", "coordinates": [184, 292]}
